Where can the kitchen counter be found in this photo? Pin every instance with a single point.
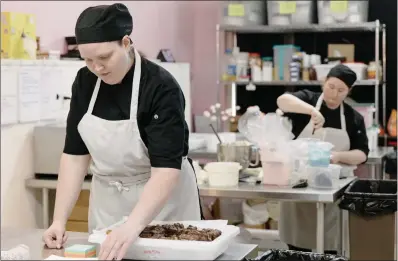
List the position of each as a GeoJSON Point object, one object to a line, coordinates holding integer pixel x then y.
{"type": "Point", "coordinates": [243, 190]}
{"type": "Point", "coordinates": [253, 191]}
{"type": "Point", "coordinates": [374, 157]}
{"type": "Point", "coordinates": [11, 237]}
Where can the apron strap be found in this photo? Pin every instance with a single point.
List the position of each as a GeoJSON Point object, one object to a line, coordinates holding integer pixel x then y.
{"type": "Point", "coordinates": [319, 102]}
{"type": "Point", "coordinates": [342, 115]}
{"type": "Point", "coordinates": [135, 91]}
{"type": "Point", "coordinates": [136, 85]}
{"type": "Point", "coordinates": [202, 216]}
{"type": "Point", "coordinates": [94, 96]}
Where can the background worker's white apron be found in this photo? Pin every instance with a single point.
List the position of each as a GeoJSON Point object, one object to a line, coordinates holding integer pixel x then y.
{"type": "Point", "coordinates": [120, 166]}
{"type": "Point", "coordinates": [297, 222]}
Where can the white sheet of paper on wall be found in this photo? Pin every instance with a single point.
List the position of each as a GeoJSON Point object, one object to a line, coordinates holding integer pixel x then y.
{"type": "Point", "coordinates": [9, 95]}
{"type": "Point", "coordinates": [50, 107]}
{"type": "Point", "coordinates": [29, 94]}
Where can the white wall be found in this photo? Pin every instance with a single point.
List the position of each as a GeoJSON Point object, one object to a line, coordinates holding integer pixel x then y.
{"type": "Point", "coordinates": [20, 207]}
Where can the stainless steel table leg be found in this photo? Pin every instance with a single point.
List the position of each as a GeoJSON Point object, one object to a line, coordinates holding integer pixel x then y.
{"type": "Point", "coordinates": [345, 234]}
{"type": "Point", "coordinates": [373, 171]}
{"type": "Point", "coordinates": [320, 227]}
{"type": "Point", "coordinates": [45, 207]}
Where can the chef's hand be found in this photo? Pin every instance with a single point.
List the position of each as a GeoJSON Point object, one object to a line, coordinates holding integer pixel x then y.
{"type": "Point", "coordinates": [55, 236]}
{"type": "Point", "coordinates": [117, 242]}
{"type": "Point", "coordinates": [317, 119]}
{"type": "Point", "coordinates": [335, 157]}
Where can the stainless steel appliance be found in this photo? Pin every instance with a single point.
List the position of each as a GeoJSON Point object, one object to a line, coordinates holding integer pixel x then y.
{"type": "Point", "coordinates": [48, 146]}
{"type": "Point", "coordinates": [240, 152]}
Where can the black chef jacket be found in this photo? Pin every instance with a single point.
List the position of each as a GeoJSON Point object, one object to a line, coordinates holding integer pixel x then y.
{"type": "Point", "coordinates": [165, 137]}
{"type": "Point", "coordinates": [355, 124]}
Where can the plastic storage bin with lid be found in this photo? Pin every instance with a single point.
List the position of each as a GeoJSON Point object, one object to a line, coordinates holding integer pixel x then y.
{"type": "Point", "coordinates": [223, 174]}
{"type": "Point", "coordinates": [324, 177]}
{"type": "Point", "coordinates": [322, 70]}
{"type": "Point", "coordinates": [290, 12]}
{"type": "Point", "coordinates": [330, 12]}
{"type": "Point", "coordinates": [243, 12]}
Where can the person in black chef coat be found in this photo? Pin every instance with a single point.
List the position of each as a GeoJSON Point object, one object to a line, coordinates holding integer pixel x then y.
{"type": "Point", "coordinates": [326, 116]}
{"type": "Point", "coordinates": [126, 122]}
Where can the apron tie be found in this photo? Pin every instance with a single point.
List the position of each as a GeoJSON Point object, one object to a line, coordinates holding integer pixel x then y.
{"type": "Point", "coordinates": [119, 186]}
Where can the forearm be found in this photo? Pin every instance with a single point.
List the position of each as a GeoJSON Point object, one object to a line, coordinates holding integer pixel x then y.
{"type": "Point", "coordinates": [154, 196]}
{"type": "Point", "coordinates": [71, 175]}
{"type": "Point", "coordinates": [352, 157]}
{"type": "Point", "coordinates": [290, 103]}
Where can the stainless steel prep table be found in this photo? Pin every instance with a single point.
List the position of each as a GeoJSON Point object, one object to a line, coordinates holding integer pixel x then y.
{"type": "Point", "coordinates": [243, 190]}
{"type": "Point", "coordinates": [375, 159]}
{"type": "Point", "coordinates": [11, 237]}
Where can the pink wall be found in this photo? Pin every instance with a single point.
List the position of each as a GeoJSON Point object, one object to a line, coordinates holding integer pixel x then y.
{"type": "Point", "coordinates": [185, 27]}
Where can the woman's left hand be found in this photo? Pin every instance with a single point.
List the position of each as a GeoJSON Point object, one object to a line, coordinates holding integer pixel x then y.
{"type": "Point", "coordinates": [335, 157]}
{"type": "Point", "coordinates": [117, 242]}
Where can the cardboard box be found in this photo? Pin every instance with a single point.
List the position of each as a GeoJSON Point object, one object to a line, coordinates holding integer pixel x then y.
{"type": "Point", "coordinates": [372, 239]}
{"type": "Point", "coordinates": [18, 36]}
{"type": "Point", "coordinates": [342, 50]}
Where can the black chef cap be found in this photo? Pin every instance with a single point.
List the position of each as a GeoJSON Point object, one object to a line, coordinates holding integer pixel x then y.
{"type": "Point", "coordinates": [343, 73]}
{"type": "Point", "coordinates": [103, 23]}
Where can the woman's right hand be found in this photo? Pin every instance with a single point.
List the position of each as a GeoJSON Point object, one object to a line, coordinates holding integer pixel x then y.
{"type": "Point", "coordinates": [317, 119]}
{"type": "Point", "coordinates": [55, 236]}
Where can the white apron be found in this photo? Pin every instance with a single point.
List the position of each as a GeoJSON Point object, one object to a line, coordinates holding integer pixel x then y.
{"type": "Point", "coordinates": [297, 223]}
{"type": "Point", "coordinates": [120, 166]}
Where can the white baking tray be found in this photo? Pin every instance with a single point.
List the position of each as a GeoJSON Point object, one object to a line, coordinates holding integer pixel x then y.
{"type": "Point", "coordinates": [163, 249]}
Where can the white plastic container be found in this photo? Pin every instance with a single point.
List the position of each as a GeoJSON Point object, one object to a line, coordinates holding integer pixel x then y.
{"type": "Point", "coordinates": [367, 112]}
{"type": "Point", "coordinates": [322, 70]}
{"type": "Point", "coordinates": [256, 73]}
{"type": "Point", "coordinates": [243, 12]}
{"type": "Point", "coordinates": [267, 70]}
{"type": "Point", "coordinates": [277, 168]}
{"type": "Point", "coordinates": [163, 249]}
{"type": "Point", "coordinates": [347, 170]}
{"type": "Point", "coordinates": [324, 177]}
{"type": "Point", "coordinates": [223, 174]}
{"type": "Point", "coordinates": [330, 12]}
{"type": "Point", "coordinates": [242, 61]}
{"type": "Point", "coordinates": [360, 69]}
{"type": "Point", "coordinates": [290, 12]}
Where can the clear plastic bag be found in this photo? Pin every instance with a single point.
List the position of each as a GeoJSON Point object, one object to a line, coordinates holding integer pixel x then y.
{"type": "Point", "coordinates": [264, 130]}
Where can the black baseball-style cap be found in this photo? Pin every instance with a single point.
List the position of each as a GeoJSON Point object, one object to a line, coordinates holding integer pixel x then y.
{"type": "Point", "coordinates": [103, 23]}
{"type": "Point", "coordinates": [344, 73]}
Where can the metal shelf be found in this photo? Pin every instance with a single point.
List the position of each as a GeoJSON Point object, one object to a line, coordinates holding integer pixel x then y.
{"type": "Point", "coordinates": [376, 27]}
{"type": "Point", "coordinates": [312, 28]}
{"type": "Point", "coordinates": [300, 83]}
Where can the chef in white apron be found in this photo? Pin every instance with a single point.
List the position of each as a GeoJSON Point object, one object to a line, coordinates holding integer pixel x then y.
{"type": "Point", "coordinates": [139, 164]}
{"type": "Point", "coordinates": [335, 122]}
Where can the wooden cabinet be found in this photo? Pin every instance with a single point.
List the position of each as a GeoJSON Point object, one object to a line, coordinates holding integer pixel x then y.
{"type": "Point", "coordinates": [78, 220]}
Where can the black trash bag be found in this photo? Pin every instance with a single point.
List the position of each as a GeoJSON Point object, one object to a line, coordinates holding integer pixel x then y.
{"type": "Point", "coordinates": [290, 255]}
{"type": "Point", "coordinates": [370, 198]}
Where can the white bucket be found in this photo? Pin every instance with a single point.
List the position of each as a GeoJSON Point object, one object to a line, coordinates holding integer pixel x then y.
{"type": "Point", "coordinates": [223, 174]}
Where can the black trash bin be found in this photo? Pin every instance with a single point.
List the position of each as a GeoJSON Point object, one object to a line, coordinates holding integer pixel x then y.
{"type": "Point", "coordinates": [390, 167]}
{"type": "Point", "coordinates": [372, 205]}
{"type": "Point", "coordinates": [290, 255]}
